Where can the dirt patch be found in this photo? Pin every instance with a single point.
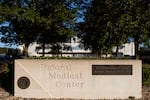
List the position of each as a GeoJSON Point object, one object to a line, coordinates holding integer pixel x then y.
{"type": "Point", "coordinates": [6, 96]}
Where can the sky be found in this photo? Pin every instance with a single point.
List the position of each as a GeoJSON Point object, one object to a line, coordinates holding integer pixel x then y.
{"type": "Point", "coordinates": [6, 45]}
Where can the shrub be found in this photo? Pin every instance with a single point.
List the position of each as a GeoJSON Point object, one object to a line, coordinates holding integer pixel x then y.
{"type": "Point", "coordinates": [146, 74]}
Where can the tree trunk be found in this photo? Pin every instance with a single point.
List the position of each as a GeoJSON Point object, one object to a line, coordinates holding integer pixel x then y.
{"type": "Point", "coordinates": [117, 50]}
{"type": "Point", "coordinates": [43, 48]}
{"type": "Point", "coordinates": [25, 51]}
{"type": "Point", "coordinates": [58, 50]}
{"type": "Point", "coordinates": [99, 53]}
{"type": "Point", "coordinates": [136, 44]}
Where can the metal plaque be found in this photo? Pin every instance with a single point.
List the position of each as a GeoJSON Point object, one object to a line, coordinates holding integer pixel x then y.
{"type": "Point", "coordinates": [23, 82]}
{"type": "Point", "coordinates": [111, 69]}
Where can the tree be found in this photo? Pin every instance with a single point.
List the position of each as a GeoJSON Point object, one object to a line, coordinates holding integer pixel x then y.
{"type": "Point", "coordinates": [114, 24]}
{"type": "Point", "coordinates": [100, 31]}
{"type": "Point", "coordinates": [51, 20]}
{"type": "Point", "coordinates": [62, 23]}
{"type": "Point", "coordinates": [111, 23]}
{"type": "Point", "coordinates": [136, 21]}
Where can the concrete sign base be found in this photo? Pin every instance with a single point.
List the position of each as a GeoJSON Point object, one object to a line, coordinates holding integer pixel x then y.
{"type": "Point", "coordinates": [80, 79]}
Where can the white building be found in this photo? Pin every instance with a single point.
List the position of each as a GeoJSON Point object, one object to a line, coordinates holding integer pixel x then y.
{"type": "Point", "coordinates": [75, 51]}
{"type": "Point", "coordinates": [127, 49]}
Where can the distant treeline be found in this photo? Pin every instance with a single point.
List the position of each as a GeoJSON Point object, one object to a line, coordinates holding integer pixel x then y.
{"type": "Point", "coordinates": [3, 50]}
{"type": "Point", "coordinates": [10, 51]}
{"type": "Point", "coordinates": [145, 55]}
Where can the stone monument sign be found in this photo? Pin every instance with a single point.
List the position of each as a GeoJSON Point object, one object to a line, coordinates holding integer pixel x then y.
{"type": "Point", "coordinates": [79, 79]}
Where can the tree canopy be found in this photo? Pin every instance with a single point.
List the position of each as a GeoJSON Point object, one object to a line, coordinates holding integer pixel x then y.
{"type": "Point", "coordinates": [110, 23]}
{"type": "Point", "coordinates": [136, 21]}
{"type": "Point", "coordinates": [106, 23]}
{"type": "Point", "coordinates": [100, 30]}
{"type": "Point", "coordinates": [49, 21]}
